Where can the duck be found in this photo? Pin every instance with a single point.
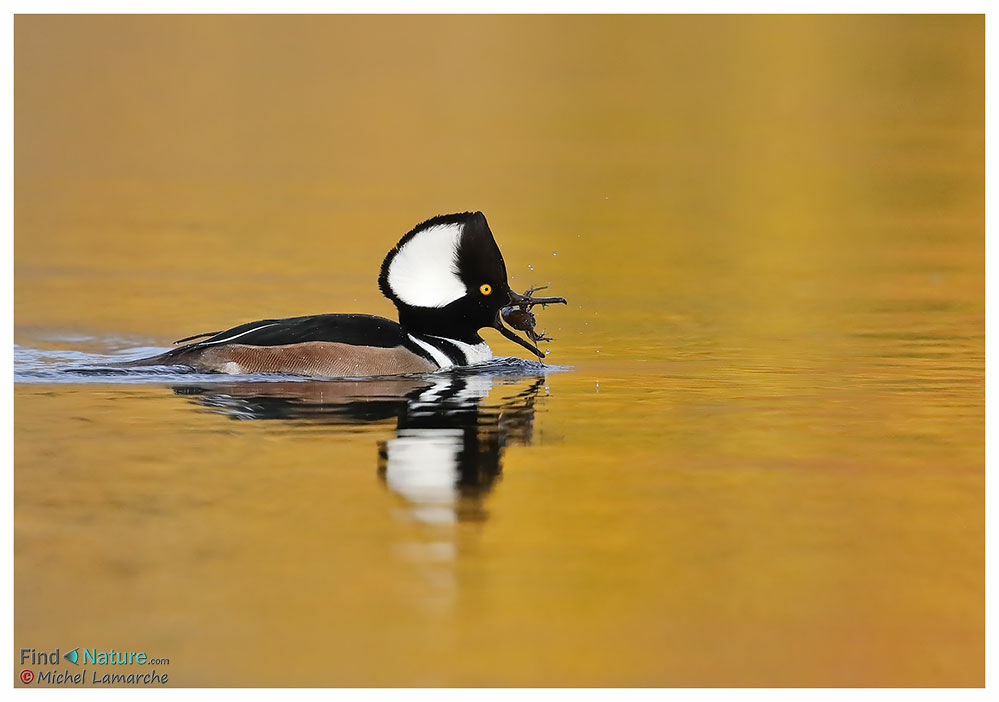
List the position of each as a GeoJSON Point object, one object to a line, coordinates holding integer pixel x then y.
{"type": "Point", "coordinates": [447, 280]}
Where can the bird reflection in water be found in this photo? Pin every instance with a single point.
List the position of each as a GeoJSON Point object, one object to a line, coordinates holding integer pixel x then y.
{"type": "Point", "coordinates": [447, 451]}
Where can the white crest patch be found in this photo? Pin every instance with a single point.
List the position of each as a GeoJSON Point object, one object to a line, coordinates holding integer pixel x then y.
{"type": "Point", "coordinates": [424, 272]}
{"type": "Point", "coordinates": [422, 466]}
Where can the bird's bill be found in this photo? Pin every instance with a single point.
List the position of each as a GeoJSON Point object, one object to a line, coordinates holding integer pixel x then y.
{"type": "Point", "coordinates": [518, 300]}
{"type": "Point", "coordinates": [498, 324]}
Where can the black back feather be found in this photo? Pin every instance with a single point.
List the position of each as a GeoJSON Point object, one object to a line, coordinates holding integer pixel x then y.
{"type": "Point", "coordinates": [354, 329]}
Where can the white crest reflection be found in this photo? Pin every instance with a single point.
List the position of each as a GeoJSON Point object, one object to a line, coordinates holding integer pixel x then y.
{"type": "Point", "coordinates": [450, 434]}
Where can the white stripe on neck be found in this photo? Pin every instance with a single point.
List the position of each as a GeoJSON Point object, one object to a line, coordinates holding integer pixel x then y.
{"type": "Point", "coordinates": [474, 353]}
{"type": "Point", "coordinates": [440, 358]}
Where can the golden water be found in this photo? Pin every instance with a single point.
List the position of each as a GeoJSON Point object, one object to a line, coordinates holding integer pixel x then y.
{"type": "Point", "coordinates": [766, 466]}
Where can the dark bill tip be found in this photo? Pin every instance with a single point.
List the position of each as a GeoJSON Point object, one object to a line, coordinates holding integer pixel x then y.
{"type": "Point", "coordinates": [497, 324]}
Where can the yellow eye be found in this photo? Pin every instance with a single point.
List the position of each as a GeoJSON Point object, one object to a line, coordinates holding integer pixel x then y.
{"type": "Point", "coordinates": [485, 288]}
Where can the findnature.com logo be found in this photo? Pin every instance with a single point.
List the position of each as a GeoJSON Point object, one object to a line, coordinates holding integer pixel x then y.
{"type": "Point", "coordinates": [44, 667]}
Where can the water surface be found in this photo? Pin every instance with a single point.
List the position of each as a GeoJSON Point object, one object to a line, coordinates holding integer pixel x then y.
{"type": "Point", "coordinates": [756, 454]}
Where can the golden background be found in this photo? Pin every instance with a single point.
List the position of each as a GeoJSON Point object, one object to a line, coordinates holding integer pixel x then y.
{"type": "Point", "coordinates": [766, 467]}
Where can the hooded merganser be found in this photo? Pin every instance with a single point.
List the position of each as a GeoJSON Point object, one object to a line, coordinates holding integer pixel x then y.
{"type": "Point", "coordinates": [446, 278]}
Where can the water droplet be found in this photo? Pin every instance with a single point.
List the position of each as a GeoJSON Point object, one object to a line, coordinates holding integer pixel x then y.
{"type": "Point", "coordinates": [530, 267]}
{"type": "Point", "coordinates": [554, 253]}
{"type": "Point", "coordinates": [598, 350]}
{"type": "Point", "coordinates": [547, 351]}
